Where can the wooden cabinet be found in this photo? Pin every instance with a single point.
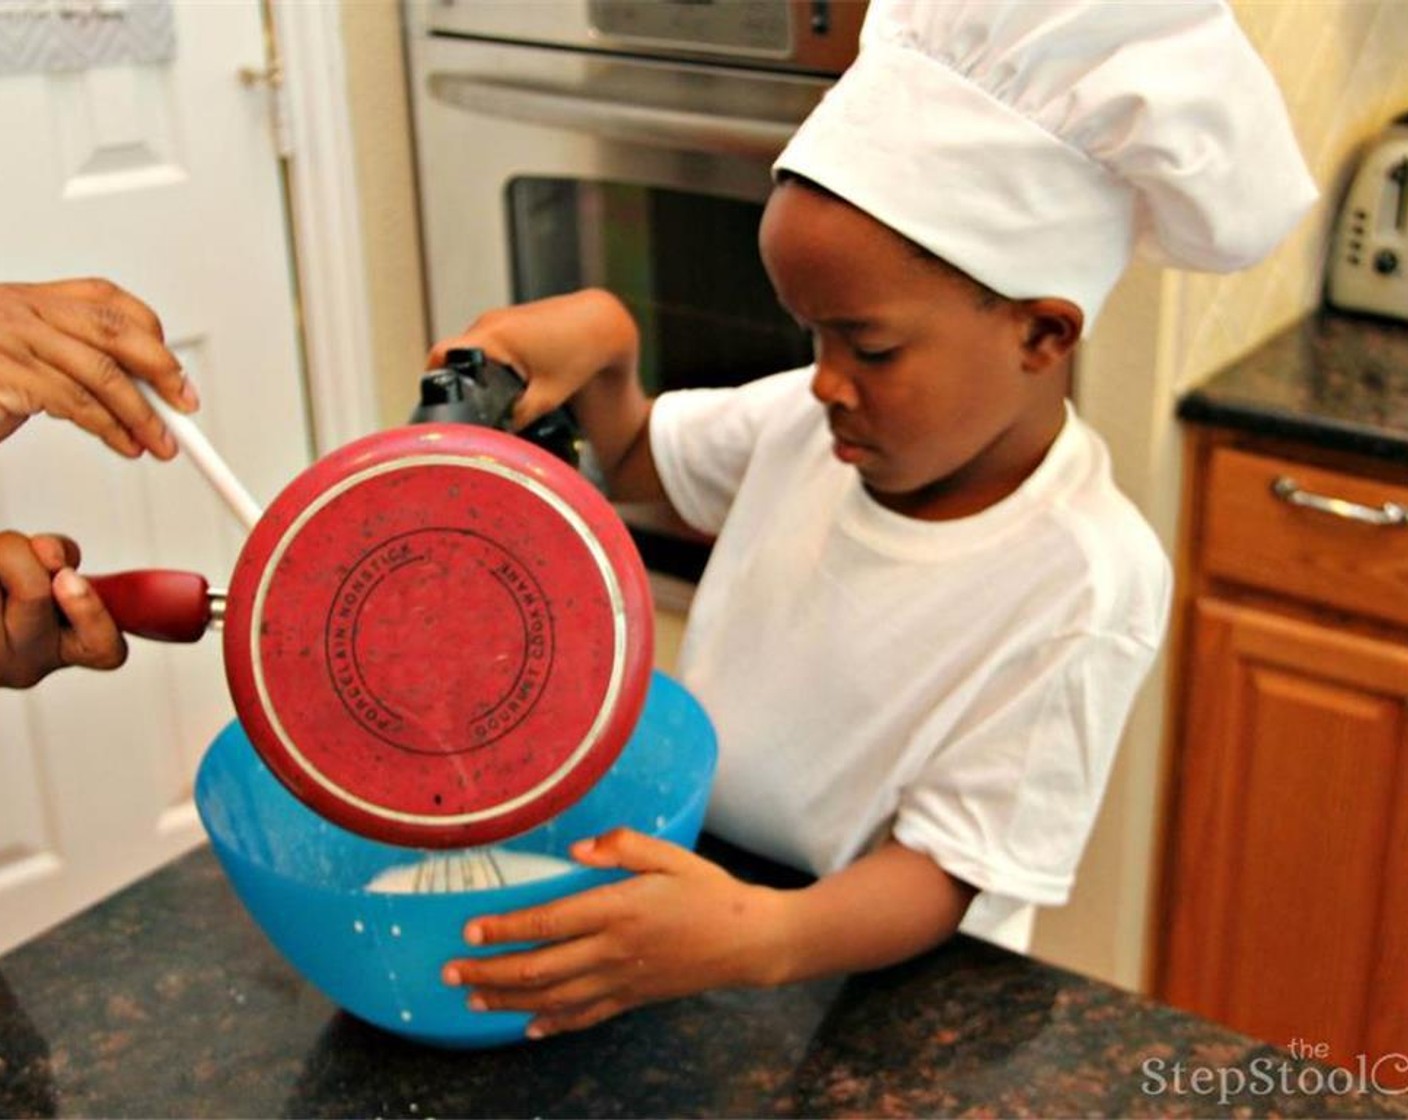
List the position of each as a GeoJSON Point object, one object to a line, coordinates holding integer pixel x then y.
{"type": "Point", "coordinates": [1284, 901]}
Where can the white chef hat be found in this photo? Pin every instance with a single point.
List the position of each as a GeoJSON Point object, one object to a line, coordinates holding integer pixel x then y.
{"type": "Point", "coordinates": [1034, 143]}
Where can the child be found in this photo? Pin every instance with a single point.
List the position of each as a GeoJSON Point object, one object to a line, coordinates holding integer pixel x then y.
{"type": "Point", "coordinates": [71, 349]}
{"type": "Point", "coordinates": [928, 610]}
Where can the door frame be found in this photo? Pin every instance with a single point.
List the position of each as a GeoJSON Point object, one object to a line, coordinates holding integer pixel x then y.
{"type": "Point", "coordinates": [325, 220]}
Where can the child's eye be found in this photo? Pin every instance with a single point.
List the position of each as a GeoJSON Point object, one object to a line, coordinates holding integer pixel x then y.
{"type": "Point", "coordinates": [875, 355]}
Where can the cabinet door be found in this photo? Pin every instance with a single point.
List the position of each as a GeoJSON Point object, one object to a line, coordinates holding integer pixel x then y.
{"type": "Point", "coordinates": [1285, 900]}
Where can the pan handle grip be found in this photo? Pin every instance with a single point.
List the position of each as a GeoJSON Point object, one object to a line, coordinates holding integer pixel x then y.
{"type": "Point", "coordinates": [156, 603]}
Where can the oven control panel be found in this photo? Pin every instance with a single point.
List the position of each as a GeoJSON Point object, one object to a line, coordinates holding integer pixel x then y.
{"type": "Point", "coordinates": [762, 26]}
{"type": "Point", "coordinates": [815, 36]}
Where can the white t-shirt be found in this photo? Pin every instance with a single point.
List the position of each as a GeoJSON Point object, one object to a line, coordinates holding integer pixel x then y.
{"type": "Point", "coordinates": [959, 684]}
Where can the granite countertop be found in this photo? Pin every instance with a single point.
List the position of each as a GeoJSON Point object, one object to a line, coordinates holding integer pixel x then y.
{"type": "Point", "coordinates": [165, 1000]}
{"type": "Point", "coordinates": [1333, 379]}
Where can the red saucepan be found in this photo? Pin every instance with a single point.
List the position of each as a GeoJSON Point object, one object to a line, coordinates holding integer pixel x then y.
{"type": "Point", "coordinates": [436, 636]}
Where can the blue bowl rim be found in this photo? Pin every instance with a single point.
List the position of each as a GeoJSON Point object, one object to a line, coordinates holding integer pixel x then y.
{"type": "Point", "coordinates": [586, 876]}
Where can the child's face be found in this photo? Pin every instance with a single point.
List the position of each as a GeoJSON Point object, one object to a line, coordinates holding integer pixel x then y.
{"type": "Point", "coordinates": [928, 389]}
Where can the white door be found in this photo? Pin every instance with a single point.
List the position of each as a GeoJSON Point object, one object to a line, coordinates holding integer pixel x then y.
{"type": "Point", "coordinates": [162, 176]}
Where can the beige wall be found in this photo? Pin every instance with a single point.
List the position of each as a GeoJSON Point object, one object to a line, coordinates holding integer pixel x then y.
{"type": "Point", "coordinates": [1343, 67]}
{"type": "Point", "coordinates": [1340, 64]}
{"type": "Point", "coordinates": [381, 122]}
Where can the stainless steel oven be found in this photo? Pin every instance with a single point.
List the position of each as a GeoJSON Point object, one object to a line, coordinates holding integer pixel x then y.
{"type": "Point", "coordinates": [623, 144]}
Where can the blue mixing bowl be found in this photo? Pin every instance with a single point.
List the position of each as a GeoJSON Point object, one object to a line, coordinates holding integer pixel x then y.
{"type": "Point", "coordinates": [379, 955]}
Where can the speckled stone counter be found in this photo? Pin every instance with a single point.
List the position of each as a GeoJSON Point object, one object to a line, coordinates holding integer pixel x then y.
{"type": "Point", "coordinates": [1334, 380]}
{"type": "Point", "coordinates": [166, 1001]}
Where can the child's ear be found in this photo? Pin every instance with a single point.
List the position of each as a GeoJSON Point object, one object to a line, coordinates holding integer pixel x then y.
{"type": "Point", "coordinates": [1052, 330]}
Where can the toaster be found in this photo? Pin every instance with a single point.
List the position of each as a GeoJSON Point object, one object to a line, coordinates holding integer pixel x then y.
{"type": "Point", "coordinates": [1369, 259]}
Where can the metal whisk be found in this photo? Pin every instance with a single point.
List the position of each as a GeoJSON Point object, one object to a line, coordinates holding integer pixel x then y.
{"type": "Point", "coordinates": [472, 869]}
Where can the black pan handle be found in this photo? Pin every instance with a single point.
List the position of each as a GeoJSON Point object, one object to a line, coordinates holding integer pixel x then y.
{"type": "Point", "coordinates": [473, 389]}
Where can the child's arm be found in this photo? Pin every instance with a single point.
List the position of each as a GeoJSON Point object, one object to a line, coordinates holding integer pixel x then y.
{"type": "Point", "coordinates": [682, 925]}
{"type": "Point", "coordinates": [37, 583]}
{"type": "Point", "coordinates": [584, 347]}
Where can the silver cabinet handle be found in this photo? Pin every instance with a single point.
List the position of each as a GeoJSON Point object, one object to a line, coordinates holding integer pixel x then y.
{"type": "Point", "coordinates": [1289, 491]}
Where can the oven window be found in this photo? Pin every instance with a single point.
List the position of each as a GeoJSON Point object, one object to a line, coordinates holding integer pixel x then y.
{"type": "Point", "coordinates": [685, 264]}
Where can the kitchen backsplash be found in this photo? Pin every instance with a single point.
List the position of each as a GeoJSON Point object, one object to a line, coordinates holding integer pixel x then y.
{"type": "Point", "coordinates": [1340, 64]}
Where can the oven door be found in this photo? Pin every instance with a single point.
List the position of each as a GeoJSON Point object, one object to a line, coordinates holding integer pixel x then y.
{"type": "Point", "coordinates": [547, 169]}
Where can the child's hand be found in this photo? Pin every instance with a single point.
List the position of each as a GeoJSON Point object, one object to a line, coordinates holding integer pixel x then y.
{"type": "Point", "coordinates": [557, 345]}
{"type": "Point", "coordinates": [37, 582]}
{"type": "Point", "coordinates": [73, 348]}
{"type": "Point", "coordinates": [680, 925]}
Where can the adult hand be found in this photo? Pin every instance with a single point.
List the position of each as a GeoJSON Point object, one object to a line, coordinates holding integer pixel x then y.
{"type": "Point", "coordinates": [73, 349]}
{"type": "Point", "coordinates": [679, 925]}
{"type": "Point", "coordinates": [50, 617]}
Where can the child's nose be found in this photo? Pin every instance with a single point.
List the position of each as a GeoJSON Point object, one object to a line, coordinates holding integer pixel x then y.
{"type": "Point", "coordinates": [830, 386]}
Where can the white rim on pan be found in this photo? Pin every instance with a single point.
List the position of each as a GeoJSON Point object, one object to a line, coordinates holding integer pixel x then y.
{"type": "Point", "coordinates": [604, 568]}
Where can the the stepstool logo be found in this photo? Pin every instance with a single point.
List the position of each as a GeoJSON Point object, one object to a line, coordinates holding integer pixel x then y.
{"type": "Point", "coordinates": [1272, 1075]}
